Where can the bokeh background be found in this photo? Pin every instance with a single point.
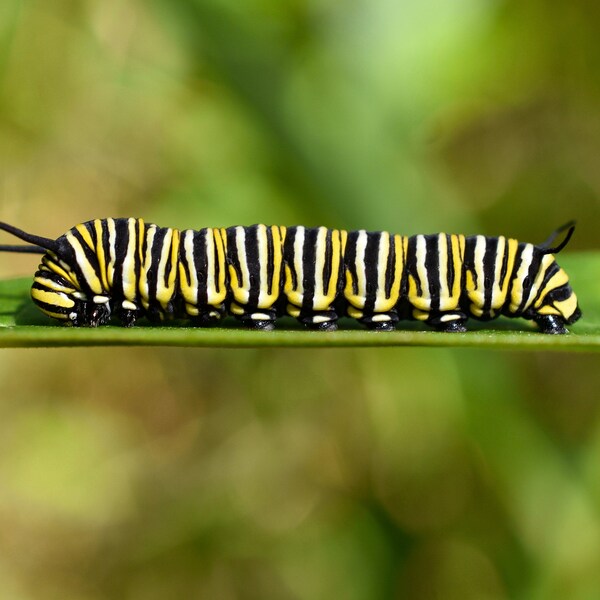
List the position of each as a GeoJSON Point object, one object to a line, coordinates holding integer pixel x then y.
{"type": "Point", "coordinates": [300, 474]}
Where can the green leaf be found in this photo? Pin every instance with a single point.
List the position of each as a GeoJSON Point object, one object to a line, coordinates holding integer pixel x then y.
{"type": "Point", "coordinates": [22, 325]}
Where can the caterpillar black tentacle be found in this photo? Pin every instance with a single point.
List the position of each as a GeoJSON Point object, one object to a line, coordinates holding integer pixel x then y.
{"type": "Point", "coordinates": [127, 269]}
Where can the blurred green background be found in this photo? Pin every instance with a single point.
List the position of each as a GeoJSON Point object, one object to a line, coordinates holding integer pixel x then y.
{"type": "Point", "coordinates": [300, 474]}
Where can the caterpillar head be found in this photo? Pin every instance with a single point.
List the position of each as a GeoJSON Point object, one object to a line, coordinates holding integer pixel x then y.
{"type": "Point", "coordinates": [57, 294]}
{"type": "Point", "coordinates": [55, 289]}
{"type": "Point", "coordinates": [557, 298]}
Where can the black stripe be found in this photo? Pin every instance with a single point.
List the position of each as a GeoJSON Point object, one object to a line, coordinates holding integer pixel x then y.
{"type": "Point", "coordinates": [432, 268]}
{"type": "Point", "coordinates": [504, 268]}
{"type": "Point", "coordinates": [152, 272]}
{"type": "Point", "coordinates": [183, 261]}
{"type": "Point", "coordinates": [390, 268]}
{"type": "Point", "coordinates": [61, 310]}
{"type": "Point", "coordinates": [270, 261]}
{"type": "Point", "coordinates": [202, 266]}
{"type": "Point", "coordinates": [552, 269]}
{"type": "Point", "coordinates": [169, 265]}
{"type": "Point", "coordinates": [528, 280]}
{"type": "Point", "coordinates": [308, 266]}
{"type": "Point", "coordinates": [350, 259]}
{"type": "Point", "coordinates": [253, 264]}
{"type": "Point", "coordinates": [218, 261]}
{"type": "Point", "coordinates": [106, 249]}
{"type": "Point", "coordinates": [371, 271]}
{"type": "Point", "coordinates": [89, 254]}
{"type": "Point", "coordinates": [411, 264]}
{"type": "Point", "coordinates": [450, 272]}
{"type": "Point", "coordinates": [288, 254]}
{"type": "Point", "coordinates": [469, 262]}
{"type": "Point", "coordinates": [231, 257]}
{"type": "Point", "coordinates": [489, 261]}
{"type": "Point", "coordinates": [327, 265]}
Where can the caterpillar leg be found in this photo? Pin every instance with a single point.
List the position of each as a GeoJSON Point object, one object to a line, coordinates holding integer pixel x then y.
{"type": "Point", "coordinates": [209, 317]}
{"type": "Point", "coordinates": [263, 320]}
{"type": "Point", "coordinates": [552, 324]}
{"type": "Point", "coordinates": [450, 322]}
{"type": "Point", "coordinates": [380, 321]}
{"type": "Point", "coordinates": [128, 313]}
{"type": "Point", "coordinates": [257, 318]}
{"type": "Point", "coordinates": [320, 321]}
{"type": "Point", "coordinates": [90, 314]}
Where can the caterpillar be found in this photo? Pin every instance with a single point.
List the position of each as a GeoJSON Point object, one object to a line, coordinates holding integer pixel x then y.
{"type": "Point", "coordinates": [128, 269]}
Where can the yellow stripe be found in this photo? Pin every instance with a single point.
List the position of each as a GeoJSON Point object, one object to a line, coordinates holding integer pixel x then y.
{"type": "Point", "coordinates": [189, 287]}
{"type": "Point", "coordinates": [567, 307]}
{"type": "Point", "coordinates": [52, 285]}
{"type": "Point", "coordinates": [262, 242]}
{"type": "Point", "coordinates": [383, 303]}
{"type": "Point", "coordinates": [556, 281]}
{"type": "Point", "coordinates": [128, 267]}
{"type": "Point", "coordinates": [295, 294]}
{"type": "Point", "coordinates": [112, 236]}
{"type": "Point", "coordinates": [85, 234]}
{"type": "Point", "coordinates": [360, 297]}
{"type": "Point", "coordinates": [88, 271]}
{"type": "Point", "coordinates": [458, 253]}
{"type": "Point", "coordinates": [240, 290]}
{"type": "Point", "coordinates": [278, 237]}
{"type": "Point", "coordinates": [52, 298]}
{"type": "Point", "coordinates": [54, 315]}
{"type": "Point", "coordinates": [146, 265]}
{"type": "Point", "coordinates": [446, 299]}
{"type": "Point", "coordinates": [421, 302]}
{"type": "Point", "coordinates": [54, 267]}
{"type": "Point", "coordinates": [221, 290]}
{"type": "Point", "coordinates": [100, 254]}
{"type": "Point", "coordinates": [516, 292]}
{"type": "Point", "coordinates": [336, 259]}
{"type": "Point", "coordinates": [164, 292]}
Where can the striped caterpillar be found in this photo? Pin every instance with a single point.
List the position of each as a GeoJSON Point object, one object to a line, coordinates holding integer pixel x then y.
{"type": "Point", "coordinates": [128, 269]}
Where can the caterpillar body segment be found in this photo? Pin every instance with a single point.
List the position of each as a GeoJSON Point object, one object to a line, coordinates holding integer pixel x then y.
{"type": "Point", "coordinates": [255, 265]}
{"type": "Point", "coordinates": [314, 266]}
{"type": "Point", "coordinates": [202, 275]}
{"type": "Point", "coordinates": [127, 268]}
{"type": "Point", "coordinates": [374, 267]}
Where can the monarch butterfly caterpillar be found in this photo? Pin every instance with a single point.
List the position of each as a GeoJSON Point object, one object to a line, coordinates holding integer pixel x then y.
{"type": "Point", "coordinates": [128, 268]}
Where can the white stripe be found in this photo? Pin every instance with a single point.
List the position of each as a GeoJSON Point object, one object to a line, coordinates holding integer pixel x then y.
{"type": "Point", "coordinates": [264, 299]}
{"type": "Point", "coordinates": [298, 260]}
{"type": "Point", "coordinates": [360, 267]}
{"type": "Point", "coordinates": [112, 253]}
{"type": "Point", "coordinates": [163, 292]}
{"type": "Point", "coordinates": [188, 244]}
{"type": "Point", "coordinates": [382, 258]}
{"type": "Point", "coordinates": [421, 255]}
{"type": "Point", "coordinates": [211, 287]}
{"type": "Point", "coordinates": [320, 250]}
{"type": "Point", "coordinates": [129, 287]}
{"type": "Point", "coordinates": [443, 258]}
{"type": "Point", "coordinates": [497, 296]}
{"type": "Point", "coordinates": [516, 295]}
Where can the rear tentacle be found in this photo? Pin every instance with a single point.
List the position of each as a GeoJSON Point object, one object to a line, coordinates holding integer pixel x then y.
{"type": "Point", "coordinates": [545, 245]}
